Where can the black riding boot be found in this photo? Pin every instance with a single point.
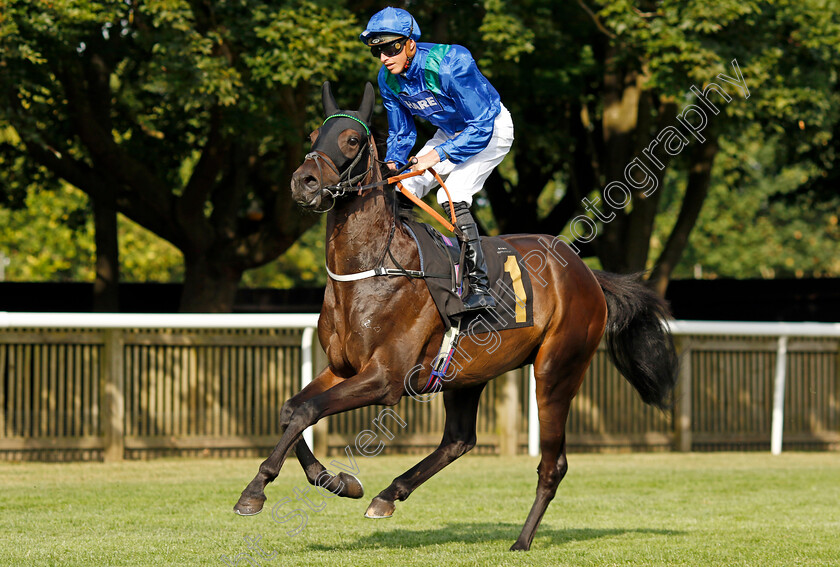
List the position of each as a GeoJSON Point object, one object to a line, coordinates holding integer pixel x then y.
{"type": "Point", "coordinates": [479, 294]}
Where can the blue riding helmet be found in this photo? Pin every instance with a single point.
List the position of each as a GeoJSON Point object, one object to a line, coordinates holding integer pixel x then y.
{"type": "Point", "coordinates": [391, 21]}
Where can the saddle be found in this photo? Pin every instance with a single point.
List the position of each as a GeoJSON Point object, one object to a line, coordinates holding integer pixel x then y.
{"type": "Point", "coordinates": [510, 285]}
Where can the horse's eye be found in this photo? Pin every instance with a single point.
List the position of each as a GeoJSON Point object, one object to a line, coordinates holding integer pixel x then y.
{"type": "Point", "coordinates": [353, 142]}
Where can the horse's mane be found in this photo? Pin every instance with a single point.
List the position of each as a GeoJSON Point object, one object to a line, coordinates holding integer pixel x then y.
{"type": "Point", "coordinates": [405, 208]}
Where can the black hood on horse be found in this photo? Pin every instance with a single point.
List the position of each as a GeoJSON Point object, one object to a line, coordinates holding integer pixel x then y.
{"type": "Point", "coordinates": [343, 143]}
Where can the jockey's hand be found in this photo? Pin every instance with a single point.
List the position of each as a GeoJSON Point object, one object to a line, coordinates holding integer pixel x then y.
{"type": "Point", "coordinates": [427, 160]}
{"type": "Point", "coordinates": [391, 165]}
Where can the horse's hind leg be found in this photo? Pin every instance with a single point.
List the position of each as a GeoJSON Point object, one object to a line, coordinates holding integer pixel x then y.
{"type": "Point", "coordinates": [459, 437]}
{"type": "Point", "coordinates": [342, 484]}
{"type": "Point", "coordinates": [554, 397]}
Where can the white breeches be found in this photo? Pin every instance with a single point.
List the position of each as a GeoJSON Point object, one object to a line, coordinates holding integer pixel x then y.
{"type": "Point", "coordinates": [467, 178]}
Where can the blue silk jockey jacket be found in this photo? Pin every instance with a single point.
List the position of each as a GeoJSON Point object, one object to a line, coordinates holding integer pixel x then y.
{"type": "Point", "coordinates": [444, 86]}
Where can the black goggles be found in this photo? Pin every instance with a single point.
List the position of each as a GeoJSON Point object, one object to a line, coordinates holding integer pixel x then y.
{"type": "Point", "coordinates": [389, 49]}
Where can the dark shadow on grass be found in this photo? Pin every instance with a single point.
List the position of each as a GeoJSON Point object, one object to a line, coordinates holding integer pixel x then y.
{"type": "Point", "coordinates": [467, 533]}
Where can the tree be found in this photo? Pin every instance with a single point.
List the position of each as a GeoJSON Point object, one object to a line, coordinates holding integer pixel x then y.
{"type": "Point", "coordinates": [186, 116]}
{"type": "Point", "coordinates": [746, 229]}
{"type": "Point", "coordinates": [822, 153]}
{"type": "Point", "coordinates": [48, 236]}
{"type": "Point", "coordinates": [592, 84]}
{"type": "Point", "coordinates": [192, 114]}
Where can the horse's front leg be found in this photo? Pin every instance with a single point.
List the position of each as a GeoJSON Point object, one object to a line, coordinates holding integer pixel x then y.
{"type": "Point", "coordinates": [369, 387]}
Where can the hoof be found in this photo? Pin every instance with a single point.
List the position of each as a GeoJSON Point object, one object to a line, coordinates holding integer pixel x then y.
{"type": "Point", "coordinates": [380, 508]}
{"type": "Point", "coordinates": [518, 546]}
{"type": "Point", "coordinates": [249, 506]}
{"type": "Point", "coordinates": [342, 484]}
{"type": "Point", "coordinates": [352, 486]}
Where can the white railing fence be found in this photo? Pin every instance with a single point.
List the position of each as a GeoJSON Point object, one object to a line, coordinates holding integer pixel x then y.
{"type": "Point", "coordinates": [113, 391]}
{"type": "Point", "coordinates": [783, 331]}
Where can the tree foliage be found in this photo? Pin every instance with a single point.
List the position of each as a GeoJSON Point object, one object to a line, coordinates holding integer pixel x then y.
{"type": "Point", "coordinates": [50, 237]}
{"type": "Point", "coordinates": [592, 84]}
{"type": "Point", "coordinates": [745, 230]}
{"type": "Point", "coordinates": [191, 114]}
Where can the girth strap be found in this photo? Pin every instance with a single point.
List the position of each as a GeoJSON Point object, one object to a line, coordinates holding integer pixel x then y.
{"type": "Point", "coordinates": [381, 271]}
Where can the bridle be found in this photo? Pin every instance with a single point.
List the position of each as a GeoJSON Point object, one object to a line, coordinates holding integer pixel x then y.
{"type": "Point", "coordinates": [344, 185]}
{"type": "Point", "coordinates": [353, 183]}
{"type": "Point", "coordinates": [347, 182]}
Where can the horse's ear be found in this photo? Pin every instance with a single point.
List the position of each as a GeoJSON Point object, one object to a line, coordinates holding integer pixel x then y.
{"type": "Point", "coordinates": [366, 109]}
{"type": "Point", "coordinates": [330, 106]}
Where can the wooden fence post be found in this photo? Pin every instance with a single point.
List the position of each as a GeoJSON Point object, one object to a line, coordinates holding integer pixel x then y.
{"type": "Point", "coordinates": [113, 414]}
{"type": "Point", "coordinates": [507, 411]}
{"type": "Point", "coordinates": [682, 399]}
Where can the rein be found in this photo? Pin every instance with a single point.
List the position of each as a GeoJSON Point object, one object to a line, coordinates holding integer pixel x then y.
{"type": "Point", "coordinates": [349, 187]}
{"type": "Point", "coordinates": [451, 226]}
{"type": "Point", "coordinates": [354, 185]}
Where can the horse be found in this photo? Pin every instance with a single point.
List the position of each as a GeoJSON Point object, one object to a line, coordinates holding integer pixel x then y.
{"type": "Point", "coordinates": [571, 314]}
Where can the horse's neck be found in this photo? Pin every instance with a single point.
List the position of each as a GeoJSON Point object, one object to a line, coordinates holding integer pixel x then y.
{"type": "Point", "coordinates": [358, 231]}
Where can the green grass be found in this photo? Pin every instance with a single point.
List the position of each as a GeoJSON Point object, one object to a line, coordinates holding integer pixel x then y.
{"type": "Point", "coordinates": [636, 509]}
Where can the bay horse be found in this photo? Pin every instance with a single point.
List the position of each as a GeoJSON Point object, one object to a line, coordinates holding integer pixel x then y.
{"type": "Point", "coordinates": [376, 330]}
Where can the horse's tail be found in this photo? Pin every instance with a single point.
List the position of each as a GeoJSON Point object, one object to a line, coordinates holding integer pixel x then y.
{"type": "Point", "coordinates": [639, 345]}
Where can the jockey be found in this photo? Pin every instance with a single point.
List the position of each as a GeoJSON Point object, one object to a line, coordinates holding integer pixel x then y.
{"type": "Point", "coordinates": [442, 84]}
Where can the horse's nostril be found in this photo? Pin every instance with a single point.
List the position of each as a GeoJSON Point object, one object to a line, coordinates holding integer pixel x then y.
{"type": "Point", "coordinates": [305, 181]}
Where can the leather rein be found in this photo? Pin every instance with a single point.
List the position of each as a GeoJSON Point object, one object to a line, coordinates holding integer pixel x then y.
{"type": "Point", "coordinates": [354, 185]}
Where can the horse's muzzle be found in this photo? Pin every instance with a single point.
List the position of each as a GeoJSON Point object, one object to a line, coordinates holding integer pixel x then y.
{"type": "Point", "coordinates": [308, 192]}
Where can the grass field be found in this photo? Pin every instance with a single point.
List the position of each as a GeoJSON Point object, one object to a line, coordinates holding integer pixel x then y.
{"type": "Point", "coordinates": [635, 509]}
